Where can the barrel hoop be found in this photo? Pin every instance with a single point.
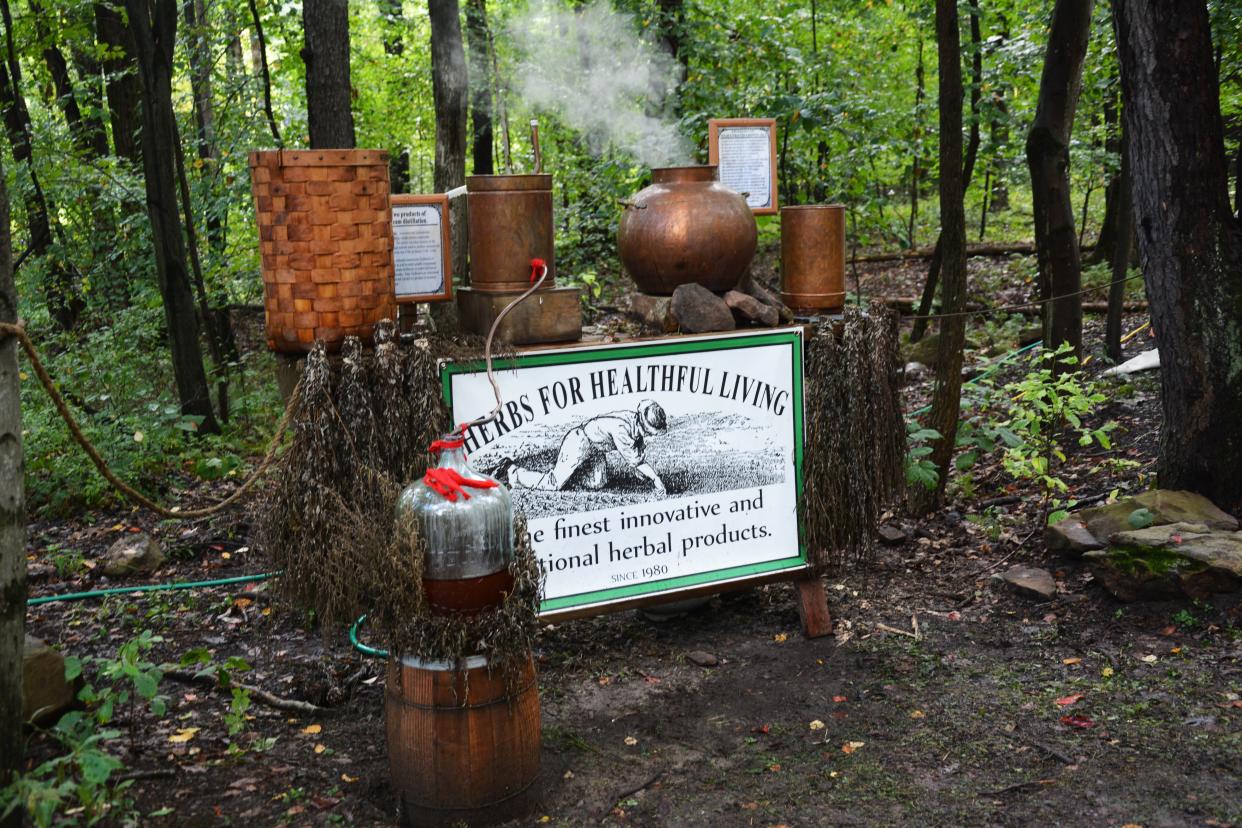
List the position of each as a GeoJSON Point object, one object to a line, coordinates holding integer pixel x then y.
{"type": "Point", "coordinates": [508, 698]}
{"type": "Point", "coordinates": [492, 804]}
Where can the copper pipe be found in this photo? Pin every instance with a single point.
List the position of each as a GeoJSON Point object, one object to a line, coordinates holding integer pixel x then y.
{"type": "Point", "coordinates": [534, 142]}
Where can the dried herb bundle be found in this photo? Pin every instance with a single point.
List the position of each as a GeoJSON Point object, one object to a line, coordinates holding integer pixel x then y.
{"type": "Point", "coordinates": [855, 435]}
{"type": "Point", "coordinates": [360, 433]}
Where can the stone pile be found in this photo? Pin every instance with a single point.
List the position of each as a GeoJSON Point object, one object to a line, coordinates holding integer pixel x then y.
{"type": "Point", "coordinates": [694, 309]}
{"type": "Point", "coordinates": [1159, 544]}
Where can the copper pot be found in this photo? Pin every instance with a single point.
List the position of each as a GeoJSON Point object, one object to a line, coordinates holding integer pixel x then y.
{"type": "Point", "coordinates": [686, 227]}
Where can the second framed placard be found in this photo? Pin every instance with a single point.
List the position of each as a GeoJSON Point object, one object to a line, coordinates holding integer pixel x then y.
{"type": "Point", "coordinates": [744, 149]}
{"type": "Point", "coordinates": [421, 248]}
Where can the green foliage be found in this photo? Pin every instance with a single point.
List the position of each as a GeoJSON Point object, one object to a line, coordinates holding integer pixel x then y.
{"type": "Point", "coordinates": [920, 470]}
{"type": "Point", "coordinates": [1029, 422]}
{"type": "Point", "coordinates": [75, 787]}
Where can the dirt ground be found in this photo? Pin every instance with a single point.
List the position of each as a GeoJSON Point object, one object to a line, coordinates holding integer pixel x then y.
{"type": "Point", "coordinates": [941, 699]}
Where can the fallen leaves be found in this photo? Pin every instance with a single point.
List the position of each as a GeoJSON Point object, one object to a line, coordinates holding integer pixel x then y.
{"type": "Point", "coordinates": [850, 747]}
{"type": "Point", "coordinates": [183, 735]}
{"type": "Point", "coordinates": [631, 741]}
{"type": "Point", "coordinates": [839, 699]}
{"type": "Point", "coordinates": [1077, 721]}
{"type": "Point", "coordinates": [1071, 661]}
{"type": "Point", "coordinates": [311, 730]}
{"type": "Point", "coordinates": [816, 725]}
{"type": "Point", "coordinates": [917, 714]}
{"type": "Point", "coordinates": [780, 638]}
{"type": "Point", "coordinates": [1065, 701]}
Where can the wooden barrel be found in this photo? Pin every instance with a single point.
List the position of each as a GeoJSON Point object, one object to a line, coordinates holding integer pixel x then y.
{"type": "Point", "coordinates": [462, 748]}
{"type": "Point", "coordinates": [813, 257]}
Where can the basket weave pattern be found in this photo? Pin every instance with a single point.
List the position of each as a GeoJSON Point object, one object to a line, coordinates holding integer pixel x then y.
{"type": "Point", "coordinates": [325, 237]}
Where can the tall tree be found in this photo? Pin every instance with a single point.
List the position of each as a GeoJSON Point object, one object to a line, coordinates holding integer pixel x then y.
{"type": "Point", "coordinates": [60, 287]}
{"type": "Point", "coordinates": [85, 126]}
{"type": "Point", "coordinates": [1047, 154]}
{"type": "Point", "coordinates": [198, 35]}
{"type": "Point", "coordinates": [153, 24]}
{"type": "Point", "coordinates": [947, 393]}
{"type": "Point", "coordinates": [258, 43]}
{"type": "Point", "coordinates": [329, 115]}
{"type": "Point", "coordinates": [121, 83]}
{"type": "Point", "coordinates": [968, 167]}
{"type": "Point", "coordinates": [481, 94]}
{"type": "Point", "coordinates": [12, 523]}
{"type": "Point", "coordinates": [1190, 244]}
{"type": "Point", "coordinates": [449, 85]}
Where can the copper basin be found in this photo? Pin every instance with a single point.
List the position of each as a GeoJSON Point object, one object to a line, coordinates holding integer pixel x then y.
{"type": "Point", "coordinates": [686, 227]}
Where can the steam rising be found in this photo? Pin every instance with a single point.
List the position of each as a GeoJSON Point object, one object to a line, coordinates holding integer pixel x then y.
{"type": "Point", "coordinates": [593, 68]}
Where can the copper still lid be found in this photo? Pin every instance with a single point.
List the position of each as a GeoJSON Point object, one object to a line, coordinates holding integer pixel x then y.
{"type": "Point", "coordinates": [500, 183]}
{"type": "Point", "coordinates": [675, 175]}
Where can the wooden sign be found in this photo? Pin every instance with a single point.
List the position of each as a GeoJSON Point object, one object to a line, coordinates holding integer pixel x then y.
{"type": "Point", "coordinates": [745, 151]}
{"type": "Point", "coordinates": [421, 250]}
{"type": "Point", "coordinates": [648, 471]}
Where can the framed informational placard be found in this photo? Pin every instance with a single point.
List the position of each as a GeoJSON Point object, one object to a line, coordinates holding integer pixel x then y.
{"type": "Point", "coordinates": [649, 470]}
{"type": "Point", "coordinates": [421, 250]}
{"type": "Point", "coordinates": [745, 151]}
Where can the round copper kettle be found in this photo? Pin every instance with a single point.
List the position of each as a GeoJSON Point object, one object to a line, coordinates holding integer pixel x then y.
{"type": "Point", "coordinates": [686, 227]}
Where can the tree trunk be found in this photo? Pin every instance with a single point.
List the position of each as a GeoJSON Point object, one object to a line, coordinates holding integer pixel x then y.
{"type": "Point", "coordinates": [449, 83]}
{"type": "Point", "coordinates": [916, 164]}
{"type": "Point", "coordinates": [259, 48]}
{"type": "Point", "coordinates": [329, 115]}
{"type": "Point", "coordinates": [1047, 153]}
{"type": "Point", "coordinates": [86, 129]}
{"type": "Point", "coordinates": [12, 525]}
{"type": "Point", "coordinates": [972, 154]}
{"type": "Point", "coordinates": [998, 131]}
{"type": "Point", "coordinates": [64, 300]}
{"type": "Point", "coordinates": [946, 396]}
{"type": "Point", "coordinates": [477, 36]}
{"type": "Point", "coordinates": [1189, 243]}
{"type": "Point", "coordinates": [153, 24]}
{"type": "Point", "coordinates": [198, 33]}
{"type": "Point", "coordinates": [124, 89]}
{"type": "Point", "coordinates": [394, 25]}
{"type": "Point", "coordinates": [1113, 198]}
{"type": "Point", "coordinates": [1120, 261]}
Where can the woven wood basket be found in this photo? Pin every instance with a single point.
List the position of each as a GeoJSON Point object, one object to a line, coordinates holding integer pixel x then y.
{"type": "Point", "coordinates": [326, 242]}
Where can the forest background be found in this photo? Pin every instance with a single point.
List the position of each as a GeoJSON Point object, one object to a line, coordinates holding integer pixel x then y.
{"type": "Point", "coordinates": [851, 84]}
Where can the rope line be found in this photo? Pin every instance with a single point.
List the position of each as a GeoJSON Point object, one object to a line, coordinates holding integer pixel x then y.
{"type": "Point", "coordinates": [1033, 303]}
{"type": "Point", "coordinates": [18, 331]}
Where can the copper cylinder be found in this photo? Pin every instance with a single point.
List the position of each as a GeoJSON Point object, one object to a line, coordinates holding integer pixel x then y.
{"type": "Point", "coordinates": [510, 224]}
{"type": "Point", "coordinates": [463, 744]}
{"type": "Point", "coordinates": [813, 257]}
{"type": "Point", "coordinates": [686, 227]}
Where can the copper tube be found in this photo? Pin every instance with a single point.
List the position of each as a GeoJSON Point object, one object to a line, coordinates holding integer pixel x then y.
{"type": "Point", "coordinates": [510, 223]}
{"type": "Point", "coordinates": [813, 257]}
{"type": "Point", "coordinates": [534, 143]}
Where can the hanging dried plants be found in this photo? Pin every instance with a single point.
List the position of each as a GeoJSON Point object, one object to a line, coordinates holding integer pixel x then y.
{"type": "Point", "coordinates": [855, 435]}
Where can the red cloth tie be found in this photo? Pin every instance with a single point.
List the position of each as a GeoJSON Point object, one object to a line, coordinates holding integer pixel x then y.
{"type": "Point", "coordinates": [535, 266]}
{"type": "Point", "coordinates": [448, 483]}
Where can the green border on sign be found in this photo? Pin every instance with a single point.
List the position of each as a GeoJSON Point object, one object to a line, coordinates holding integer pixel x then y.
{"type": "Point", "coordinates": [791, 337]}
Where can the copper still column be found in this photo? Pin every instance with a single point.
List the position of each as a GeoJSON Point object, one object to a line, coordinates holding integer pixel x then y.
{"type": "Point", "coordinates": [511, 225]}
{"type": "Point", "coordinates": [813, 257]}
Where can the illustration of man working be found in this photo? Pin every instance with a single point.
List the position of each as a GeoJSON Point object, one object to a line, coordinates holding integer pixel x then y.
{"type": "Point", "coordinates": [582, 458]}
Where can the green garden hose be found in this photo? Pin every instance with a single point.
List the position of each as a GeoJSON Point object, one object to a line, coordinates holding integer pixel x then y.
{"type": "Point", "coordinates": [102, 593]}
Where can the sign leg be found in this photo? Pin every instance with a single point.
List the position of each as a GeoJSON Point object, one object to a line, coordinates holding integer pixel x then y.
{"type": "Point", "coordinates": [813, 608]}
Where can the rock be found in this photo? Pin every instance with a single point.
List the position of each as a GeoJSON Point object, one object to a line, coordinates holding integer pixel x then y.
{"type": "Point", "coordinates": [39, 571]}
{"type": "Point", "coordinates": [892, 535]}
{"type": "Point", "coordinates": [751, 288]}
{"type": "Point", "coordinates": [747, 308]}
{"type": "Point", "coordinates": [653, 312]}
{"type": "Point", "coordinates": [132, 554]}
{"type": "Point", "coordinates": [915, 371]}
{"type": "Point", "coordinates": [1029, 336]}
{"type": "Point", "coordinates": [701, 658]}
{"type": "Point", "coordinates": [1166, 505]}
{"type": "Point", "coordinates": [926, 350]}
{"type": "Point", "coordinates": [1070, 535]}
{"type": "Point", "coordinates": [1169, 560]}
{"type": "Point", "coordinates": [45, 692]}
{"type": "Point", "coordinates": [1031, 582]}
{"type": "Point", "coordinates": [698, 310]}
